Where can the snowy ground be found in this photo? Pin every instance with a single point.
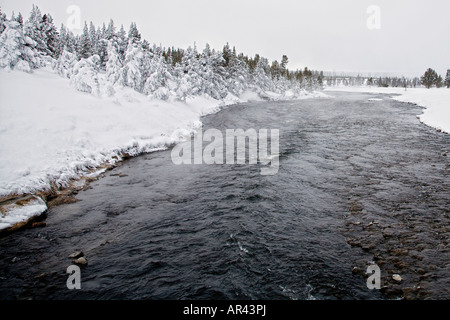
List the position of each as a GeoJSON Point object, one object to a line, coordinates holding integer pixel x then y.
{"type": "Point", "coordinates": [436, 102]}
{"type": "Point", "coordinates": [51, 133]}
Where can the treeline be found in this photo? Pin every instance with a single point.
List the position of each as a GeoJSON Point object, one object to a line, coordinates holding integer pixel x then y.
{"type": "Point", "coordinates": [121, 57]}
{"type": "Point", "coordinates": [429, 79]}
{"type": "Point", "coordinates": [372, 81]}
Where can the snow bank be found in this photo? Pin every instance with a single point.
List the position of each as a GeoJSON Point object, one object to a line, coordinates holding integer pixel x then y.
{"type": "Point", "coordinates": [50, 133]}
{"type": "Point", "coordinates": [21, 211]}
{"type": "Point", "coordinates": [436, 101]}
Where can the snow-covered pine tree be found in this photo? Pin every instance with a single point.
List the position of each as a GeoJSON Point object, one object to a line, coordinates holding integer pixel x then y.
{"type": "Point", "coordinates": [50, 36]}
{"type": "Point", "coordinates": [188, 71]}
{"type": "Point", "coordinates": [122, 42]}
{"type": "Point", "coordinates": [135, 67]}
{"type": "Point", "coordinates": [110, 31]}
{"type": "Point", "coordinates": [261, 80]}
{"type": "Point", "coordinates": [275, 70]}
{"type": "Point", "coordinates": [2, 21]}
{"type": "Point", "coordinates": [65, 63]}
{"type": "Point", "coordinates": [63, 38]}
{"type": "Point", "coordinates": [160, 81]}
{"type": "Point", "coordinates": [17, 51]}
{"type": "Point", "coordinates": [33, 28]}
{"type": "Point", "coordinates": [84, 45]}
{"type": "Point", "coordinates": [85, 75]}
{"type": "Point", "coordinates": [213, 73]}
{"type": "Point", "coordinates": [102, 51]}
{"type": "Point", "coordinates": [238, 72]}
{"type": "Point", "coordinates": [19, 19]}
{"type": "Point", "coordinates": [114, 65]}
{"type": "Point", "coordinates": [134, 37]}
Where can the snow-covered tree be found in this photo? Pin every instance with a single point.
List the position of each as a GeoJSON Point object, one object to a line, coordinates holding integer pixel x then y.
{"type": "Point", "coordinates": [33, 29]}
{"type": "Point", "coordinates": [65, 63]}
{"type": "Point", "coordinates": [17, 51]}
{"type": "Point", "coordinates": [84, 45]}
{"type": "Point", "coordinates": [19, 19]}
{"type": "Point", "coordinates": [134, 37]}
{"type": "Point", "coordinates": [188, 71]}
{"type": "Point", "coordinates": [85, 75]}
{"type": "Point", "coordinates": [114, 72]}
{"type": "Point", "coordinates": [50, 36]}
{"type": "Point", "coordinates": [260, 78]}
{"type": "Point", "coordinates": [2, 21]}
{"type": "Point", "coordinates": [238, 72]}
{"type": "Point", "coordinates": [135, 67]}
{"type": "Point", "coordinates": [110, 31]}
{"type": "Point", "coordinates": [160, 81]}
{"type": "Point", "coordinates": [213, 72]}
{"type": "Point", "coordinates": [122, 42]}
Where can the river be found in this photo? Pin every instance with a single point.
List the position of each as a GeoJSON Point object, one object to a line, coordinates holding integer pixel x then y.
{"type": "Point", "coordinates": [361, 181]}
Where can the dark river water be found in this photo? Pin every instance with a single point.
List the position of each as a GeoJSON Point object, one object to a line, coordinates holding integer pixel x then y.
{"type": "Point", "coordinates": [360, 182]}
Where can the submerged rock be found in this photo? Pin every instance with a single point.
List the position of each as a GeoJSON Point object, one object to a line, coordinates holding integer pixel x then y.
{"type": "Point", "coordinates": [81, 261]}
{"type": "Point", "coordinates": [76, 255]}
{"type": "Point", "coordinates": [397, 278]}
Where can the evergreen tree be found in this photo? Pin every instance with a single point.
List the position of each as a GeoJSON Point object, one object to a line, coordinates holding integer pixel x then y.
{"type": "Point", "coordinates": [122, 42]}
{"type": "Point", "coordinates": [160, 81]}
{"type": "Point", "coordinates": [283, 65]}
{"type": "Point", "coordinates": [439, 82]}
{"type": "Point", "coordinates": [114, 65]}
{"type": "Point", "coordinates": [102, 51]}
{"type": "Point", "coordinates": [17, 51]}
{"type": "Point", "coordinates": [93, 38]}
{"type": "Point", "coordinates": [84, 45]}
{"type": "Point", "coordinates": [275, 70]}
{"type": "Point", "coordinates": [188, 75]}
{"type": "Point", "coordinates": [429, 78]}
{"type": "Point", "coordinates": [261, 78]}
{"type": "Point", "coordinates": [135, 67]}
{"type": "Point", "coordinates": [33, 28]}
{"type": "Point", "coordinates": [227, 55]}
{"type": "Point", "coordinates": [447, 79]}
{"type": "Point", "coordinates": [50, 36]}
{"type": "Point", "coordinates": [19, 19]}
{"type": "Point", "coordinates": [65, 63]}
{"type": "Point", "coordinates": [110, 32]}
{"type": "Point", "coordinates": [85, 75]}
{"type": "Point", "coordinates": [2, 21]}
{"type": "Point", "coordinates": [134, 37]}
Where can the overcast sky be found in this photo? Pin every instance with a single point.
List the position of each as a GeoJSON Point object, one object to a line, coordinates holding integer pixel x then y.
{"type": "Point", "coordinates": [329, 35]}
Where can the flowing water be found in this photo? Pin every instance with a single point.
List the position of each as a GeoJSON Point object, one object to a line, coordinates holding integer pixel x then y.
{"type": "Point", "coordinates": [360, 182]}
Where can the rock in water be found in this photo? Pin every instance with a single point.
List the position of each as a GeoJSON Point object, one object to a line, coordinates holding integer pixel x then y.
{"type": "Point", "coordinates": [397, 278]}
{"type": "Point", "coordinates": [80, 261]}
{"type": "Point", "coordinates": [76, 255]}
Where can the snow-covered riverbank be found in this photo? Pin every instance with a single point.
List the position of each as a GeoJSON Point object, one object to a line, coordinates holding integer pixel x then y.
{"type": "Point", "coordinates": [436, 102]}
{"type": "Point", "coordinates": [51, 134]}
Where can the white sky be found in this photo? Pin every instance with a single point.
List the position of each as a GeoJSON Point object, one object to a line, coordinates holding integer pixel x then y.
{"type": "Point", "coordinates": [330, 35]}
